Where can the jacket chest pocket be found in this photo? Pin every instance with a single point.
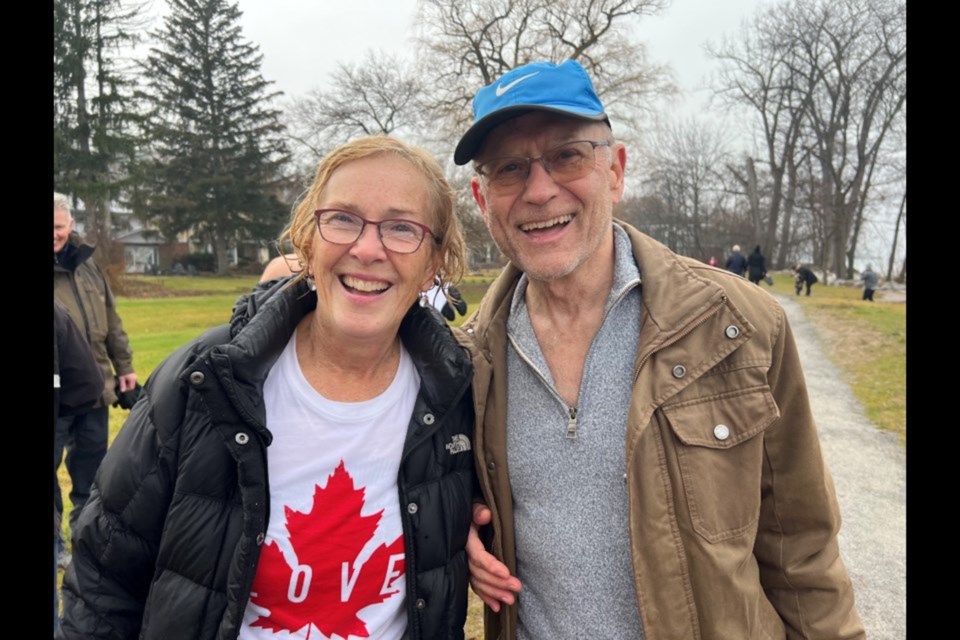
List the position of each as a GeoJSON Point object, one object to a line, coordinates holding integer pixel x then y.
{"type": "Point", "coordinates": [719, 453]}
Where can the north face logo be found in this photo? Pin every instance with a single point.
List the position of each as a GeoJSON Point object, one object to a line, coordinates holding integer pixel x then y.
{"type": "Point", "coordinates": [458, 444]}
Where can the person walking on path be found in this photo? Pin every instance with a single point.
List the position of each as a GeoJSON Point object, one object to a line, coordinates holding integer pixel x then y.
{"type": "Point", "coordinates": [869, 277]}
{"type": "Point", "coordinates": [81, 287]}
{"type": "Point", "coordinates": [736, 263]}
{"type": "Point", "coordinates": [868, 466]}
{"type": "Point", "coordinates": [756, 266]}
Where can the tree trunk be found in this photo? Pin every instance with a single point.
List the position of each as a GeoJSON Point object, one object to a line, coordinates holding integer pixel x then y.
{"type": "Point", "coordinates": [896, 235]}
{"type": "Point", "coordinates": [773, 215]}
{"type": "Point", "coordinates": [220, 250]}
{"type": "Point", "coordinates": [788, 204]}
{"type": "Point", "coordinates": [753, 198]}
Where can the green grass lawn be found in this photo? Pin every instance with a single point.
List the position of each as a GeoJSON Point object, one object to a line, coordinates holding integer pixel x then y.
{"type": "Point", "coordinates": [868, 341]}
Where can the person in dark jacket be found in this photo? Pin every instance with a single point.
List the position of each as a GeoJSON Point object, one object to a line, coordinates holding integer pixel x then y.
{"type": "Point", "coordinates": [307, 469]}
{"type": "Point", "coordinates": [77, 385]}
{"type": "Point", "coordinates": [756, 266]}
{"type": "Point", "coordinates": [804, 276]}
{"type": "Point", "coordinates": [736, 263]}
{"type": "Point", "coordinates": [81, 287]}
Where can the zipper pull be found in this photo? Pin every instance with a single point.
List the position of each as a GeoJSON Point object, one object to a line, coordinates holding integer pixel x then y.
{"type": "Point", "coordinates": [572, 424]}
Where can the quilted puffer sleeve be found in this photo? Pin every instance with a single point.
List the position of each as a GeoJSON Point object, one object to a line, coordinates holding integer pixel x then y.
{"type": "Point", "coordinates": [118, 533]}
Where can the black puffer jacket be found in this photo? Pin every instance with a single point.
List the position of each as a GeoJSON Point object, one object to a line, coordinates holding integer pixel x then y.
{"type": "Point", "coordinates": [168, 543]}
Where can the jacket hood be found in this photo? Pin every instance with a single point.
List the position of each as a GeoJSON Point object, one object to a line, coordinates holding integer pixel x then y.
{"type": "Point", "coordinates": [73, 254]}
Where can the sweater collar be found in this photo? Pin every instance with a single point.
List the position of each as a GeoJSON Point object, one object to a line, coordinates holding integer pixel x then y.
{"type": "Point", "coordinates": [672, 292]}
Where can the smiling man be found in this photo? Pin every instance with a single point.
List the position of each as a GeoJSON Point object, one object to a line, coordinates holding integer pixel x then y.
{"type": "Point", "coordinates": [644, 441]}
{"type": "Point", "coordinates": [81, 287]}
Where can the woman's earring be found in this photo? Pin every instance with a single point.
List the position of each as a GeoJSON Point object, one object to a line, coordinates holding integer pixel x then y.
{"type": "Point", "coordinates": [311, 283]}
{"type": "Point", "coordinates": [424, 301]}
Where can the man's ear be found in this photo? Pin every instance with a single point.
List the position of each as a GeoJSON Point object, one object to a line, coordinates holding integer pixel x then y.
{"type": "Point", "coordinates": [618, 164]}
{"type": "Point", "coordinates": [480, 198]}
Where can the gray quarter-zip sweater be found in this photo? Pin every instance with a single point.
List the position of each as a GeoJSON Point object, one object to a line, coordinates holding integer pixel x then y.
{"type": "Point", "coordinates": [574, 561]}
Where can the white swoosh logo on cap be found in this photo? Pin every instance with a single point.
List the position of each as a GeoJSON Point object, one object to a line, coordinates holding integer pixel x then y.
{"type": "Point", "coordinates": [502, 90]}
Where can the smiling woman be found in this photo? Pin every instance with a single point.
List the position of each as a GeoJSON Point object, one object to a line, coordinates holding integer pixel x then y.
{"type": "Point", "coordinates": [334, 384]}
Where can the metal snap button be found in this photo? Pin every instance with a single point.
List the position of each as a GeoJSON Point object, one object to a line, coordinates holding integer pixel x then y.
{"type": "Point", "coordinates": [732, 331]}
{"type": "Point", "coordinates": [491, 465]}
{"type": "Point", "coordinates": [721, 432]}
{"type": "Point", "coordinates": [470, 330]}
{"type": "Point", "coordinates": [196, 377]}
{"type": "Point", "coordinates": [421, 603]}
{"type": "Point", "coordinates": [428, 418]}
{"type": "Point", "coordinates": [259, 539]}
{"type": "Point", "coordinates": [242, 438]}
{"type": "Point", "coordinates": [679, 371]}
{"type": "Point", "coordinates": [412, 508]}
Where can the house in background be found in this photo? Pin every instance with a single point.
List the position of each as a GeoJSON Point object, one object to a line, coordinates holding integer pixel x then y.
{"type": "Point", "coordinates": [147, 250]}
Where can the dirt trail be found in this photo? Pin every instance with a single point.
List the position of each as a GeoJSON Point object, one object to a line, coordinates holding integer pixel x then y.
{"type": "Point", "coordinates": [869, 470]}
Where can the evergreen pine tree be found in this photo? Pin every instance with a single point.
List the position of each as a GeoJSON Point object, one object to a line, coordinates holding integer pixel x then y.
{"type": "Point", "coordinates": [94, 117]}
{"type": "Point", "coordinates": [217, 141]}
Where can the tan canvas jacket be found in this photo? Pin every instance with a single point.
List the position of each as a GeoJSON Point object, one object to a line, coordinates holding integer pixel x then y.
{"type": "Point", "coordinates": [733, 514]}
{"type": "Point", "coordinates": [88, 299]}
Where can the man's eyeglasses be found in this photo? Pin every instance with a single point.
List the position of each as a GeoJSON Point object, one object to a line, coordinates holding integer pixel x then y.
{"type": "Point", "coordinates": [343, 227]}
{"type": "Point", "coordinates": [569, 161]}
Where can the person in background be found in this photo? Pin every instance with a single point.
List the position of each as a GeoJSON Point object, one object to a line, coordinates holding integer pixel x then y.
{"type": "Point", "coordinates": [307, 469]}
{"type": "Point", "coordinates": [648, 459]}
{"type": "Point", "coordinates": [446, 299]}
{"type": "Point", "coordinates": [281, 267]}
{"type": "Point", "coordinates": [804, 276]}
{"type": "Point", "coordinates": [736, 262]}
{"type": "Point", "coordinates": [756, 266]}
{"type": "Point", "coordinates": [81, 287]}
{"type": "Point", "coordinates": [77, 385]}
{"type": "Point", "coordinates": [869, 278]}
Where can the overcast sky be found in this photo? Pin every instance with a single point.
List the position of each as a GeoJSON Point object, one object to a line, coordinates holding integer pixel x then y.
{"type": "Point", "coordinates": [303, 40]}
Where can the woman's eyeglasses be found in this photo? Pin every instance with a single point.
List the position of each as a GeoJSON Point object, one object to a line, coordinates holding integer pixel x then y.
{"type": "Point", "coordinates": [342, 227]}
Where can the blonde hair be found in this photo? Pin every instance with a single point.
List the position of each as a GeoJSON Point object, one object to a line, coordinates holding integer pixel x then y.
{"type": "Point", "coordinates": [441, 196]}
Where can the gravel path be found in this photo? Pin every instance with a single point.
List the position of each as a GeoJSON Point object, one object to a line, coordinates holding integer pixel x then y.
{"type": "Point", "coordinates": [869, 471]}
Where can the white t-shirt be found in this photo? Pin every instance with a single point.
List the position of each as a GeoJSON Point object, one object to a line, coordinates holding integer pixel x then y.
{"type": "Point", "coordinates": [332, 564]}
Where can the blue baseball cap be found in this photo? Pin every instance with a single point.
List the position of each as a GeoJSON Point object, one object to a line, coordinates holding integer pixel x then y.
{"type": "Point", "coordinates": [537, 86]}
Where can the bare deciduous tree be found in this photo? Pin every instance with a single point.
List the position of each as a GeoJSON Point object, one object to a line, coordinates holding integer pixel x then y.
{"type": "Point", "coordinates": [825, 79]}
{"type": "Point", "coordinates": [896, 233]}
{"type": "Point", "coordinates": [854, 51]}
{"type": "Point", "coordinates": [754, 72]}
{"type": "Point", "coordinates": [684, 165]}
{"type": "Point", "coordinates": [380, 95]}
{"type": "Point", "coordinates": [466, 44]}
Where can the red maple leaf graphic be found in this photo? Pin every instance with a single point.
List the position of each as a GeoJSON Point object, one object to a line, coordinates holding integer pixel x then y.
{"type": "Point", "coordinates": [328, 588]}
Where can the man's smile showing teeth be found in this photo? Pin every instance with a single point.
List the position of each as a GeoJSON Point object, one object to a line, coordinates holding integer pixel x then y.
{"type": "Point", "coordinates": [546, 224]}
{"type": "Point", "coordinates": [366, 286]}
